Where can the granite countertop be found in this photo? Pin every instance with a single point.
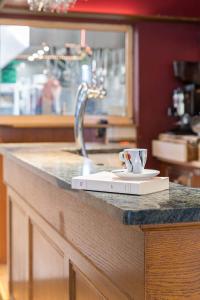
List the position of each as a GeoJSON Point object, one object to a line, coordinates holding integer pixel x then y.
{"type": "Point", "coordinates": [176, 205]}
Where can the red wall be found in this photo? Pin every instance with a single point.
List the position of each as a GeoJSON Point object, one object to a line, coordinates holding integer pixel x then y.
{"type": "Point", "coordinates": [159, 45]}
{"type": "Point", "coordinates": [141, 7]}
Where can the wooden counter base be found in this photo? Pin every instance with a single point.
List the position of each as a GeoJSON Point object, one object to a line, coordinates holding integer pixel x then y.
{"type": "Point", "coordinates": [61, 248]}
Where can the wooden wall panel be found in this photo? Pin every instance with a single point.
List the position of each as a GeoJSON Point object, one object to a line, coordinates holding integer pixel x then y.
{"type": "Point", "coordinates": [45, 135]}
{"type": "Point", "coordinates": [33, 135]}
{"type": "Point", "coordinates": [173, 264]}
{"type": "Point", "coordinates": [19, 253]}
{"type": "Point", "coordinates": [115, 249]}
{"type": "Point", "coordinates": [53, 263]}
{"type": "Point", "coordinates": [83, 288]}
{"type": "Point", "coordinates": [50, 280]}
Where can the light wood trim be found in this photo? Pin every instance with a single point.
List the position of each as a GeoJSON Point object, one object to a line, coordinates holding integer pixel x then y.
{"type": "Point", "coordinates": [4, 292]}
{"type": "Point", "coordinates": [173, 226]}
{"type": "Point", "coordinates": [61, 121]}
{"type": "Point", "coordinates": [129, 53]}
{"type": "Point", "coordinates": [9, 250]}
{"type": "Point", "coordinates": [65, 25]}
{"type": "Point", "coordinates": [2, 215]}
{"type": "Point", "coordinates": [30, 256]}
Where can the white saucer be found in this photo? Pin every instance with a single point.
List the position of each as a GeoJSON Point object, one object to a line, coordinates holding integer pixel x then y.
{"type": "Point", "coordinates": [146, 174]}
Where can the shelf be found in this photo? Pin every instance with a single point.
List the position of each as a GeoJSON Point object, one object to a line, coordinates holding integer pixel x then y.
{"type": "Point", "coordinates": [54, 121]}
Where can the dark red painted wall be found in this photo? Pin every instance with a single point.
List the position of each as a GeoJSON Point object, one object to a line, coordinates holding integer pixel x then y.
{"type": "Point", "coordinates": [141, 7]}
{"type": "Point", "coordinates": [159, 45]}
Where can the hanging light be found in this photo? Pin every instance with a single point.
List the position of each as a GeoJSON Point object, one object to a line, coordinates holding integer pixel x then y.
{"type": "Point", "coordinates": [46, 48]}
{"type": "Point", "coordinates": [58, 6]}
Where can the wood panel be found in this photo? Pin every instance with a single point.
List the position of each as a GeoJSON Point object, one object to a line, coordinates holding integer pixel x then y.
{"type": "Point", "coordinates": [34, 135]}
{"type": "Point", "coordinates": [19, 253]}
{"type": "Point", "coordinates": [50, 280]}
{"type": "Point", "coordinates": [82, 288]}
{"type": "Point", "coordinates": [9, 134]}
{"type": "Point", "coordinates": [4, 291]}
{"type": "Point", "coordinates": [172, 264]}
{"type": "Point", "coordinates": [114, 249]}
{"type": "Point", "coordinates": [45, 135]}
{"type": "Point", "coordinates": [53, 121]}
{"type": "Point", "coordinates": [3, 241]}
{"type": "Point", "coordinates": [53, 262]}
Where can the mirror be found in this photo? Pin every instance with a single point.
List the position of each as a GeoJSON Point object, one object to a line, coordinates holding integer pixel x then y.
{"type": "Point", "coordinates": [41, 69]}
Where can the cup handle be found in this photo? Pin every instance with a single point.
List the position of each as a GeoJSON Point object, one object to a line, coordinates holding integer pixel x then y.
{"type": "Point", "coordinates": [121, 156]}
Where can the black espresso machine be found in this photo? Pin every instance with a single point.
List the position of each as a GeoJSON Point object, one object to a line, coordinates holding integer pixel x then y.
{"type": "Point", "coordinates": [186, 97]}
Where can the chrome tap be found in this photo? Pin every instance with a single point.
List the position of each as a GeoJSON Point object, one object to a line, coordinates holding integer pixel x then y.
{"type": "Point", "coordinates": [85, 92]}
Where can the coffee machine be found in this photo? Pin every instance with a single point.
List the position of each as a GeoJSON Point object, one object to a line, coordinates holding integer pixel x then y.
{"type": "Point", "coordinates": [186, 97]}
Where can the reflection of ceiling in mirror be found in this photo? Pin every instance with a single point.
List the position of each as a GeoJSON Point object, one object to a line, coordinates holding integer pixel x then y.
{"type": "Point", "coordinates": [56, 41]}
{"type": "Point", "coordinates": [59, 37]}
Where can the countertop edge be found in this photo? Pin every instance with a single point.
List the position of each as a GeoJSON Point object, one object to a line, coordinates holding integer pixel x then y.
{"type": "Point", "coordinates": [116, 213]}
{"type": "Point", "coordinates": [165, 213]}
{"type": "Point", "coordinates": [165, 217]}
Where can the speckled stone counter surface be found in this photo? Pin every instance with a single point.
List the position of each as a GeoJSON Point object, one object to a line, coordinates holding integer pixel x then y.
{"type": "Point", "coordinates": [179, 204]}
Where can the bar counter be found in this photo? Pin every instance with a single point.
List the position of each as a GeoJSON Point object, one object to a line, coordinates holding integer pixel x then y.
{"type": "Point", "coordinates": [56, 165]}
{"type": "Point", "coordinates": [69, 244]}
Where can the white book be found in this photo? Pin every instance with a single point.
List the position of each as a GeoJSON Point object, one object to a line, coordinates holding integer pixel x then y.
{"type": "Point", "coordinates": [108, 182]}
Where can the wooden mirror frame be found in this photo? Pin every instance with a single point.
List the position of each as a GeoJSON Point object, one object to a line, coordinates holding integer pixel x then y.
{"type": "Point", "coordinates": [68, 120]}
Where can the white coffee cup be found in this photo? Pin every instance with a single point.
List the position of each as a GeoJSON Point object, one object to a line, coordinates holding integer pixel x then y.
{"type": "Point", "coordinates": [135, 159]}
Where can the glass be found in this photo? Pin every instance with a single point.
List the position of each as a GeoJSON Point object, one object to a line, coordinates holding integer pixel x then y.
{"type": "Point", "coordinates": [46, 66]}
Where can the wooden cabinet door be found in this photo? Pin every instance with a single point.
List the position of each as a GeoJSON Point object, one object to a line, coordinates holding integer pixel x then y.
{"type": "Point", "coordinates": [49, 270]}
{"type": "Point", "coordinates": [88, 283]}
{"type": "Point", "coordinates": [82, 287]}
{"type": "Point", "coordinates": [19, 253]}
{"type": "Point", "coordinates": [45, 266]}
{"type": "Point", "coordinates": [38, 269]}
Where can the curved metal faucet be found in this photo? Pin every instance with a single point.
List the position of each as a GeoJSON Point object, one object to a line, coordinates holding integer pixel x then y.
{"type": "Point", "coordinates": [84, 93]}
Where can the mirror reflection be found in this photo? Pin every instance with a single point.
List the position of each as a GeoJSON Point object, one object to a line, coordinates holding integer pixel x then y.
{"type": "Point", "coordinates": [41, 69]}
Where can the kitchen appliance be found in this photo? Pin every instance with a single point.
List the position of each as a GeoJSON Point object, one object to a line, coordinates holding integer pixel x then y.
{"type": "Point", "coordinates": [186, 97]}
